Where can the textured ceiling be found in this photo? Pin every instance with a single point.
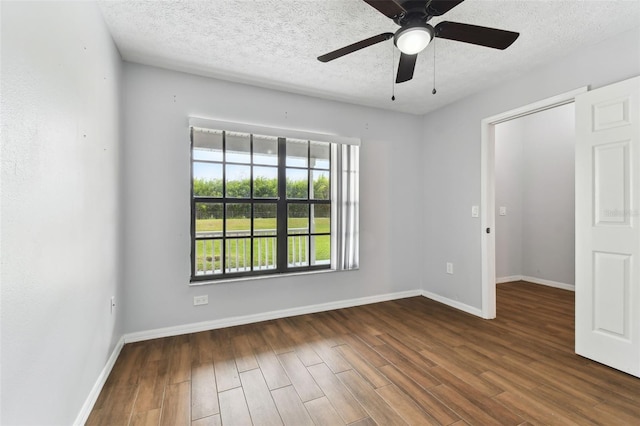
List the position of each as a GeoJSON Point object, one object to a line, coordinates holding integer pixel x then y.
{"type": "Point", "coordinates": [274, 43]}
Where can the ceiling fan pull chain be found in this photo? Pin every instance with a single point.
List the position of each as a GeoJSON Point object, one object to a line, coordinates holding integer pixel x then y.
{"type": "Point", "coordinates": [393, 84]}
{"type": "Point", "coordinates": [433, 92]}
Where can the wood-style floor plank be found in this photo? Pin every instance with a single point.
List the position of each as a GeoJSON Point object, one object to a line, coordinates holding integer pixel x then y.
{"type": "Point", "coordinates": [331, 358]}
{"type": "Point", "coordinates": [204, 394]}
{"type": "Point", "coordinates": [421, 396]}
{"type": "Point", "coordinates": [473, 398]}
{"type": "Point", "coordinates": [214, 420]}
{"type": "Point", "coordinates": [362, 366]}
{"type": "Point", "coordinates": [224, 363]}
{"type": "Point", "coordinates": [364, 422]}
{"type": "Point", "coordinates": [302, 381]}
{"type": "Point", "coordinates": [153, 380]}
{"type": "Point", "coordinates": [417, 374]}
{"type": "Point", "coordinates": [147, 418]}
{"type": "Point", "coordinates": [176, 409]}
{"type": "Point", "coordinates": [411, 361]}
{"type": "Point", "coordinates": [180, 361]}
{"type": "Point", "coordinates": [405, 406]}
{"type": "Point", "coordinates": [121, 396]}
{"type": "Point", "coordinates": [233, 407]}
{"type": "Point", "coordinates": [261, 406]}
{"type": "Point", "coordinates": [377, 408]}
{"type": "Point", "coordinates": [345, 404]}
{"type": "Point", "coordinates": [245, 358]}
{"type": "Point", "coordinates": [322, 412]}
{"type": "Point", "coordinates": [292, 410]}
{"type": "Point", "coordinates": [408, 353]}
{"type": "Point", "coordinates": [272, 370]}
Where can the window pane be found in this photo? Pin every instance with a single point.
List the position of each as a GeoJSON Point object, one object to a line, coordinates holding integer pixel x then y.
{"type": "Point", "coordinates": [297, 184]}
{"type": "Point", "coordinates": [238, 220]}
{"type": "Point", "coordinates": [297, 153]}
{"type": "Point", "coordinates": [207, 145]}
{"type": "Point", "coordinates": [208, 219]}
{"type": "Point", "coordinates": [265, 150]}
{"type": "Point", "coordinates": [320, 189]}
{"type": "Point", "coordinates": [298, 250]}
{"type": "Point", "coordinates": [238, 181]}
{"type": "Point", "coordinates": [207, 179]}
{"type": "Point", "coordinates": [265, 182]}
{"type": "Point", "coordinates": [265, 219]}
{"type": "Point", "coordinates": [238, 147]}
{"type": "Point", "coordinates": [238, 255]}
{"type": "Point", "coordinates": [236, 228]}
{"type": "Point", "coordinates": [298, 219]}
{"type": "Point", "coordinates": [208, 257]}
{"type": "Point", "coordinates": [320, 218]}
{"type": "Point", "coordinates": [264, 253]}
{"type": "Point", "coordinates": [320, 250]}
{"type": "Point", "coordinates": [319, 153]}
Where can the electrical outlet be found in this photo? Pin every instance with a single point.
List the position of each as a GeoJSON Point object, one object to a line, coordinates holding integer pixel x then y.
{"type": "Point", "coordinates": [449, 268]}
{"type": "Point", "coordinates": [113, 304]}
{"type": "Point", "coordinates": [503, 211]}
{"type": "Point", "coordinates": [200, 300]}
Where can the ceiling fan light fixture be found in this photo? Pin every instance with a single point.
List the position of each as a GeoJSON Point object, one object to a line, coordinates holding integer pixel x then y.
{"type": "Point", "coordinates": [413, 38]}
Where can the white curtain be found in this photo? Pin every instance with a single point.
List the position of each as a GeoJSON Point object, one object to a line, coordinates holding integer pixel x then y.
{"type": "Point", "coordinates": [346, 173]}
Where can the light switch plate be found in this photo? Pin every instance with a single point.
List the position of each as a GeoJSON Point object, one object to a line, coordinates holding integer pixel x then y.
{"type": "Point", "coordinates": [503, 211]}
{"type": "Point", "coordinates": [475, 211]}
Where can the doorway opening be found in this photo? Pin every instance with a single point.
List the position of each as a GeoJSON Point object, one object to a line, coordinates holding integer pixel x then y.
{"type": "Point", "coordinates": [488, 196]}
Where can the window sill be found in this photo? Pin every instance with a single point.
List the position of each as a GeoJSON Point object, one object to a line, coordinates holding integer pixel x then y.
{"type": "Point", "coordinates": [264, 277]}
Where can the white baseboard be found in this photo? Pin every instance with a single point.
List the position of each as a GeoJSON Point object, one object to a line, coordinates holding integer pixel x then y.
{"type": "Point", "coordinates": [265, 316]}
{"type": "Point", "coordinates": [453, 303]}
{"type": "Point", "coordinates": [98, 385]}
{"type": "Point", "coordinates": [549, 283]}
{"type": "Point", "coordinates": [508, 279]}
{"type": "Point", "coordinates": [534, 280]}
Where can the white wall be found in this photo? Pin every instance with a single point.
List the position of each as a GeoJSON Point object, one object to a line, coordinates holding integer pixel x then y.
{"type": "Point", "coordinates": [452, 157]}
{"type": "Point", "coordinates": [535, 169]}
{"type": "Point", "coordinates": [61, 222]}
{"type": "Point", "coordinates": [157, 210]}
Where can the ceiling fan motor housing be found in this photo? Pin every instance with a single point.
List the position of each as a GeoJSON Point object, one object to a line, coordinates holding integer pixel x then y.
{"type": "Point", "coordinates": [413, 11]}
{"type": "Point", "coordinates": [413, 37]}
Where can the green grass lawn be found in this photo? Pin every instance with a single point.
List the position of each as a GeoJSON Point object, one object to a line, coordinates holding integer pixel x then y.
{"type": "Point", "coordinates": [264, 248]}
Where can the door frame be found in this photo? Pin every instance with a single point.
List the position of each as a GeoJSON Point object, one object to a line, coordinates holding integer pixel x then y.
{"type": "Point", "coordinates": [488, 187]}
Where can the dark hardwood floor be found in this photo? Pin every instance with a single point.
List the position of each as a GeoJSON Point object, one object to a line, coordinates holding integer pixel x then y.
{"type": "Point", "coordinates": [409, 361]}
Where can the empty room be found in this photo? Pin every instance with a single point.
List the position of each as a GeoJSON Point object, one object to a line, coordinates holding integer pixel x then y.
{"type": "Point", "coordinates": [236, 212]}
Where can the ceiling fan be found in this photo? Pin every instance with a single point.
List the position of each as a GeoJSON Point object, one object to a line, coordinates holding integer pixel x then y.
{"type": "Point", "coordinates": [415, 33]}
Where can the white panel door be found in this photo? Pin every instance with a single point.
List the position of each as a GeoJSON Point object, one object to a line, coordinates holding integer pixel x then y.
{"type": "Point", "coordinates": [608, 225]}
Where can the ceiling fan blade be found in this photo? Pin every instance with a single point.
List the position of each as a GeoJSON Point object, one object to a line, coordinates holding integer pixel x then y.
{"type": "Point", "coordinates": [483, 36]}
{"type": "Point", "coordinates": [405, 67]}
{"type": "Point", "coordinates": [389, 8]}
{"type": "Point", "coordinates": [354, 47]}
{"type": "Point", "coordinates": [440, 7]}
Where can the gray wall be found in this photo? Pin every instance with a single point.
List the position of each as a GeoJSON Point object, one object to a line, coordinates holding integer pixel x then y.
{"type": "Point", "coordinates": [535, 180]}
{"type": "Point", "coordinates": [61, 210]}
{"type": "Point", "coordinates": [509, 193]}
{"type": "Point", "coordinates": [452, 157]}
{"type": "Point", "coordinates": [157, 213]}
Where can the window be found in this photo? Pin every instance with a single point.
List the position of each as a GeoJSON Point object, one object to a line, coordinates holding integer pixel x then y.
{"type": "Point", "coordinates": [263, 204]}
